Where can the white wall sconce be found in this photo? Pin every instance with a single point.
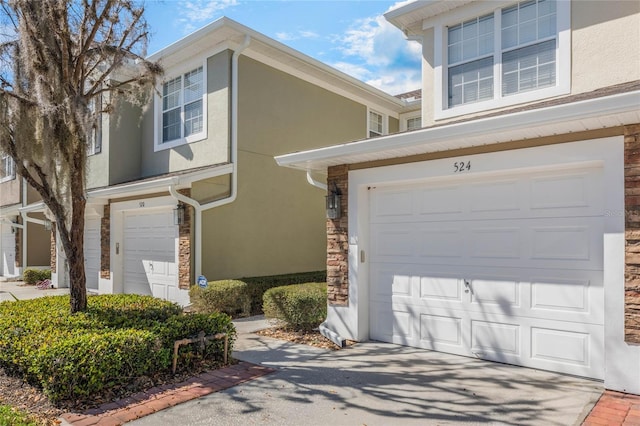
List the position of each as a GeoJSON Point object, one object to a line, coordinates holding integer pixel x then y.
{"type": "Point", "coordinates": [178, 214]}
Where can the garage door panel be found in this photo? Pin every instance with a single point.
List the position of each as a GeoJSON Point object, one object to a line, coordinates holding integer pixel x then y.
{"type": "Point", "coordinates": [150, 263]}
{"type": "Point", "coordinates": [495, 337]}
{"type": "Point", "coordinates": [503, 292]}
{"type": "Point", "coordinates": [438, 330]}
{"type": "Point", "coordinates": [501, 196]}
{"type": "Point", "coordinates": [508, 269]}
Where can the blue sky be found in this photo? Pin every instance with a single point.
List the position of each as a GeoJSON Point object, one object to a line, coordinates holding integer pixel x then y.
{"type": "Point", "coordinates": [349, 35]}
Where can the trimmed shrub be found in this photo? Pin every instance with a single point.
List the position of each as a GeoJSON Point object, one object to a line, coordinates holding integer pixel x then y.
{"type": "Point", "coordinates": [258, 285]}
{"type": "Point", "coordinates": [118, 338]}
{"type": "Point", "coordinates": [301, 306]}
{"type": "Point", "coordinates": [34, 276]}
{"type": "Point", "coordinates": [228, 296]}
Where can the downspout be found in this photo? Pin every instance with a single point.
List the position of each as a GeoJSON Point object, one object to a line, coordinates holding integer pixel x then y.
{"type": "Point", "coordinates": [24, 223]}
{"type": "Point", "coordinates": [233, 158]}
{"type": "Point", "coordinates": [314, 182]}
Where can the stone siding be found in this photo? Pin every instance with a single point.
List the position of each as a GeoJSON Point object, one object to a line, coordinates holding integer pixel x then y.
{"type": "Point", "coordinates": [338, 241]}
{"type": "Point", "coordinates": [105, 243]}
{"type": "Point", "coordinates": [632, 233]}
{"type": "Point", "coordinates": [184, 246]}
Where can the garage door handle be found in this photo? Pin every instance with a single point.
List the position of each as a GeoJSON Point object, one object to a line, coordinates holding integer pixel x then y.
{"type": "Point", "coordinates": [467, 286]}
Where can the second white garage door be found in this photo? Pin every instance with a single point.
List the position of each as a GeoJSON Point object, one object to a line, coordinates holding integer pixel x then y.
{"type": "Point", "coordinates": [92, 252]}
{"type": "Point", "coordinates": [505, 268]}
{"type": "Point", "coordinates": [150, 254]}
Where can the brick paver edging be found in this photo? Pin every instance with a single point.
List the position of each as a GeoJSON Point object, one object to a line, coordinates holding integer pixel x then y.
{"type": "Point", "coordinates": [162, 397]}
{"type": "Point", "coordinates": [615, 409]}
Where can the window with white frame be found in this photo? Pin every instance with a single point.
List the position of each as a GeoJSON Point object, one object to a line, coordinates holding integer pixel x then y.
{"type": "Point", "coordinates": [513, 54]}
{"type": "Point", "coordinates": [414, 123]}
{"type": "Point", "coordinates": [376, 124]}
{"type": "Point", "coordinates": [94, 138]}
{"type": "Point", "coordinates": [183, 108]}
{"type": "Point", "coordinates": [7, 168]}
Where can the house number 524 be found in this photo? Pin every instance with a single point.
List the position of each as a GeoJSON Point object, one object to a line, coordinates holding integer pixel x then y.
{"type": "Point", "coordinates": [461, 166]}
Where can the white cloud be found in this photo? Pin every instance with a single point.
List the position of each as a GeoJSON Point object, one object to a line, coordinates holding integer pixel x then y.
{"type": "Point", "coordinates": [399, 4]}
{"type": "Point", "coordinates": [194, 13]}
{"type": "Point", "coordinates": [380, 55]}
{"type": "Point", "coordinates": [355, 71]}
{"type": "Point", "coordinates": [284, 36]}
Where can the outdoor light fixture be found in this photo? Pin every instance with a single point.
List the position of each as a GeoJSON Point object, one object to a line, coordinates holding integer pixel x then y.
{"type": "Point", "coordinates": [47, 225]}
{"type": "Point", "coordinates": [333, 203]}
{"type": "Point", "coordinates": [178, 215]}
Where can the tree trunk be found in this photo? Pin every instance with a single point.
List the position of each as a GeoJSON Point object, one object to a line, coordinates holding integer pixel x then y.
{"type": "Point", "coordinates": [74, 248]}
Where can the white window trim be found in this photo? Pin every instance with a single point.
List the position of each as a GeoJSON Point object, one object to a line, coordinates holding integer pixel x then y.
{"type": "Point", "coordinates": [158, 145]}
{"type": "Point", "coordinates": [405, 120]}
{"type": "Point", "coordinates": [11, 176]}
{"type": "Point", "coordinates": [563, 67]}
{"type": "Point", "coordinates": [385, 122]}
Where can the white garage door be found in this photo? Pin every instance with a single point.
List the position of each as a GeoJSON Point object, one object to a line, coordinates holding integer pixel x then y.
{"type": "Point", "coordinates": [507, 268]}
{"type": "Point", "coordinates": [150, 254]}
{"type": "Point", "coordinates": [7, 251]}
{"type": "Point", "coordinates": [92, 252]}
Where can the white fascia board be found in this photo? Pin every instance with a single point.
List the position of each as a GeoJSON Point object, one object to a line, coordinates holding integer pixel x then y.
{"type": "Point", "coordinates": [462, 135]}
{"type": "Point", "coordinates": [12, 210]}
{"type": "Point", "coordinates": [158, 185]}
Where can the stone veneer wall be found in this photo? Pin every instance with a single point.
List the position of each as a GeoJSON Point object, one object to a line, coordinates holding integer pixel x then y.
{"type": "Point", "coordinates": [632, 233]}
{"type": "Point", "coordinates": [184, 245]}
{"type": "Point", "coordinates": [18, 243]}
{"type": "Point", "coordinates": [53, 252]}
{"type": "Point", "coordinates": [105, 242]}
{"type": "Point", "coordinates": [338, 242]}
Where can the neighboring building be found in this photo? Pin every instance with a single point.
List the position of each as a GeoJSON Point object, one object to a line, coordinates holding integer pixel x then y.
{"type": "Point", "coordinates": [20, 246]}
{"type": "Point", "coordinates": [507, 228]}
{"type": "Point", "coordinates": [230, 101]}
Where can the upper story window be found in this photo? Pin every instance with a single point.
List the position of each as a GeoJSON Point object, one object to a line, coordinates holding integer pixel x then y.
{"type": "Point", "coordinates": [510, 55]}
{"type": "Point", "coordinates": [414, 123]}
{"type": "Point", "coordinates": [182, 109]}
{"type": "Point", "coordinates": [7, 168]}
{"type": "Point", "coordinates": [376, 124]}
{"type": "Point", "coordinates": [94, 139]}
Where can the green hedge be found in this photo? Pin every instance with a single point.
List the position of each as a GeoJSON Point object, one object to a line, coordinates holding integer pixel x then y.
{"type": "Point", "coordinates": [228, 296]}
{"type": "Point", "coordinates": [118, 338]}
{"type": "Point", "coordinates": [34, 276]}
{"type": "Point", "coordinates": [243, 297]}
{"type": "Point", "coordinates": [259, 285]}
{"type": "Point", "coordinates": [301, 307]}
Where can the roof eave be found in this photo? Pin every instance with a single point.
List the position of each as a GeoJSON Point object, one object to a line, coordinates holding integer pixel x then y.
{"type": "Point", "coordinates": [620, 109]}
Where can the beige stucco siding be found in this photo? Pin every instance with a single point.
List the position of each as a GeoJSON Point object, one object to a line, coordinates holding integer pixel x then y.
{"type": "Point", "coordinates": [10, 192]}
{"type": "Point", "coordinates": [38, 243]}
{"type": "Point", "coordinates": [277, 223]}
{"type": "Point", "coordinates": [214, 148]}
{"type": "Point", "coordinates": [98, 164]}
{"type": "Point", "coordinates": [604, 51]}
{"type": "Point", "coordinates": [606, 44]}
{"type": "Point", "coordinates": [124, 143]}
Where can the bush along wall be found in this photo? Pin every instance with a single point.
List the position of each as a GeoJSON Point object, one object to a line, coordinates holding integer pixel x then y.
{"type": "Point", "coordinates": [301, 307]}
{"type": "Point", "coordinates": [33, 276]}
{"type": "Point", "coordinates": [118, 338]}
{"type": "Point", "coordinates": [243, 297]}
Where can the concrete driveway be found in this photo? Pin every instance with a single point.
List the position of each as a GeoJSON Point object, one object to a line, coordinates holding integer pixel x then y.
{"type": "Point", "coordinates": [382, 384]}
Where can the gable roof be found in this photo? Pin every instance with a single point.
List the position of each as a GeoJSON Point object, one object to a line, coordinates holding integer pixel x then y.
{"type": "Point", "coordinates": [225, 31]}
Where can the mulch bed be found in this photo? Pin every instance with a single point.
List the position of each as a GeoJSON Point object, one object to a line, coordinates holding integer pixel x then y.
{"type": "Point", "coordinates": [311, 338]}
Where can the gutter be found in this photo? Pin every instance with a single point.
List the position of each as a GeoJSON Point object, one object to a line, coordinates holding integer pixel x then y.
{"type": "Point", "coordinates": [233, 159]}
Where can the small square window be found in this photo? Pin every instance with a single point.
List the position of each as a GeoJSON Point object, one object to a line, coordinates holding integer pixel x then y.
{"type": "Point", "coordinates": [7, 168]}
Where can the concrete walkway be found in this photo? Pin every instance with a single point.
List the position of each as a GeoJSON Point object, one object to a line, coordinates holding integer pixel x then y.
{"type": "Point", "coordinates": [382, 384]}
{"type": "Point", "coordinates": [17, 290]}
